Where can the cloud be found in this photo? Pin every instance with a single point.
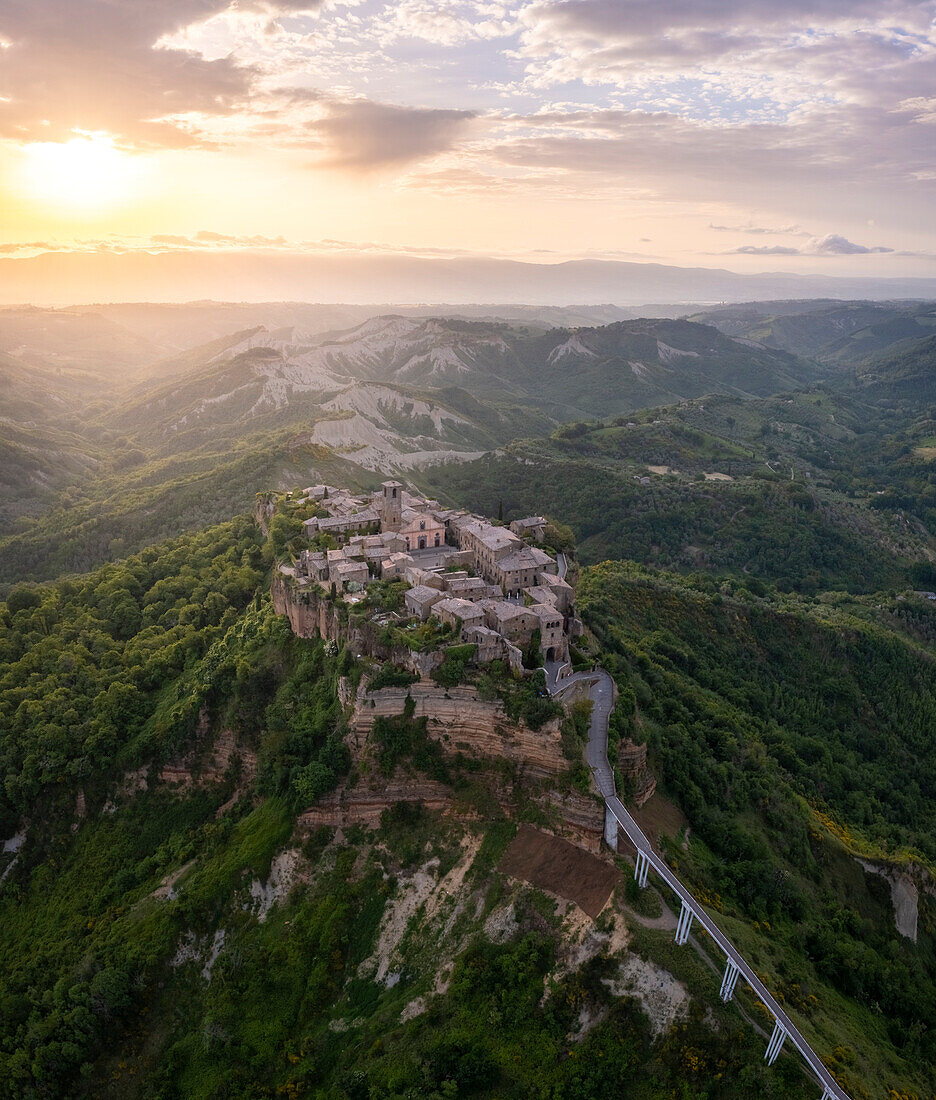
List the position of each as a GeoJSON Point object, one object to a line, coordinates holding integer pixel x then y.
{"type": "Point", "coordinates": [823, 163]}
{"type": "Point", "coordinates": [205, 239]}
{"type": "Point", "coordinates": [760, 45]}
{"type": "Point", "coordinates": [443, 22]}
{"type": "Point", "coordinates": [764, 250]}
{"type": "Point", "coordinates": [359, 133]}
{"type": "Point", "coordinates": [96, 66]}
{"type": "Point", "coordinates": [835, 245]}
{"type": "Point", "coordinates": [760, 230]}
{"type": "Point", "coordinates": [921, 108]}
{"type": "Point", "coordinates": [832, 244]}
{"type": "Point", "coordinates": [29, 246]}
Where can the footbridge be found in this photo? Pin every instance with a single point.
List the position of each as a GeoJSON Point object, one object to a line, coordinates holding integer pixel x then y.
{"type": "Point", "coordinates": [601, 690]}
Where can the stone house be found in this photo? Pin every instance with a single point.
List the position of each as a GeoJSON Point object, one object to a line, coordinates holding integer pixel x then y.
{"type": "Point", "coordinates": [563, 593]}
{"type": "Point", "coordinates": [533, 527]}
{"type": "Point", "coordinates": [395, 566]}
{"type": "Point", "coordinates": [489, 545]}
{"type": "Point", "coordinates": [519, 570]}
{"type": "Point", "coordinates": [514, 622]}
{"type": "Point", "coordinates": [339, 527]}
{"type": "Point", "coordinates": [553, 639]}
{"type": "Point", "coordinates": [344, 572]}
{"type": "Point", "coordinates": [457, 613]}
{"type": "Point", "coordinates": [489, 645]}
{"type": "Point", "coordinates": [314, 565]}
{"type": "Point", "coordinates": [472, 588]}
{"type": "Point", "coordinates": [419, 601]}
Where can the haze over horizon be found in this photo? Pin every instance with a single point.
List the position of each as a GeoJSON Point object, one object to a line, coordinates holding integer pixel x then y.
{"type": "Point", "coordinates": [223, 147]}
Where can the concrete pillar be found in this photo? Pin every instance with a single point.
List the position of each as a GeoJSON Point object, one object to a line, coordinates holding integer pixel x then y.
{"type": "Point", "coordinates": [641, 868]}
{"type": "Point", "coordinates": [776, 1042]}
{"type": "Point", "coordinates": [611, 830]}
{"type": "Point", "coordinates": [729, 981]}
{"type": "Point", "coordinates": [684, 924]}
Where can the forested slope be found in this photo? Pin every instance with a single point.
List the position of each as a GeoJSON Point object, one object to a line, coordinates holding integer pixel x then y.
{"type": "Point", "coordinates": [795, 737]}
{"type": "Point", "coordinates": [169, 929]}
{"type": "Point", "coordinates": [809, 491]}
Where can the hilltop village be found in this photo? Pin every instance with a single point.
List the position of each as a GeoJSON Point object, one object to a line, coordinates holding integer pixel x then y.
{"type": "Point", "coordinates": [495, 587]}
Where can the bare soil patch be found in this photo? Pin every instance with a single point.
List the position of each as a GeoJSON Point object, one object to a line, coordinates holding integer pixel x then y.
{"type": "Point", "coordinates": [659, 817]}
{"type": "Point", "coordinates": [553, 864]}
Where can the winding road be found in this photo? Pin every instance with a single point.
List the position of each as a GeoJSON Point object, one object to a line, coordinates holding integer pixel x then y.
{"type": "Point", "coordinates": [601, 692]}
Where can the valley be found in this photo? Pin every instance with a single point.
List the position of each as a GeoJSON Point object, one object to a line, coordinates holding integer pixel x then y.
{"type": "Point", "coordinates": [278, 775]}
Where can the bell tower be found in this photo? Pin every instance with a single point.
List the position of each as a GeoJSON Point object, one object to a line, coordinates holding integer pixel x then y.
{"type": "Point", "coordinates": [391, 506]}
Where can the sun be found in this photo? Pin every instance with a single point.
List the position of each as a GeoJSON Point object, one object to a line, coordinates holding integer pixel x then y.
{"type": "Point", "coordinates": [85, 173]}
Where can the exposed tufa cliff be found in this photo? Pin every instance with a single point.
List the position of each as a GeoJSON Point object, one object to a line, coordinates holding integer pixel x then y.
{"type": "Point", "coordinates": [312, 614]}
{"type": "Point", "coordinates": [464, 722]}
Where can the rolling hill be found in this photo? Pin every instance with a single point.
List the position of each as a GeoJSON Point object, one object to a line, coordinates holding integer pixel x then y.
{"type": "Point", "coordinates": [842, 334]}
{"type": "Point", "coordinates": [570, 373]}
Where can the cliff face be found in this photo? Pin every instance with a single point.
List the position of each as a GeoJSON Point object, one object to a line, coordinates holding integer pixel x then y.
{"type": "Point", "coordinates": [311, 615]}
{"type": "Point", "coordinates": [463, 722]}
{"type": "Point", "coordinates": [580, 818]}
{"type": "Point", "coordinates": [264, 507]}
{"type": "Point", "coordinates": [458, 718]}
{"type": "Point", "coordinates": [363, 805]}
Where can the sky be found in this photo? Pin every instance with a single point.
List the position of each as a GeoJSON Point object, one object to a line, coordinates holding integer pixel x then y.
{"type": "Point", "coordinates": [754, 135]}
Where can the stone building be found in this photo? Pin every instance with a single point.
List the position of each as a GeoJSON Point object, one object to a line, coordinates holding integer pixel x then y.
{"type": "Point", "coordinates": [514, 622]}
{"type": "Point", "coordinates": [533, 527]}
{"type": "Point", "coordinates": [419, 601]}
{"type": "Point", "coordinates": [552, 635]}
{"type": "Point", "coordinates": [489, 645]}
{"type": "Point", "coordinates": [421, 531]}
{"type": "Point", "coordinates": [458, 613]}
{"type": "Point", "coordinates": [522, 568]}
{"type": "Point", "coordinates": [339, 527]}
{"type": "Point", "coordinates": [390, 505]}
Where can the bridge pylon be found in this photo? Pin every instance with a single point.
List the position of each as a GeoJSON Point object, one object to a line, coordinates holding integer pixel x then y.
{"type": "Point", "coordinates": [642, 868]}
{"type": "Point", "coordinates": [729, 981]}
{"type": "Point", "coordinates": [683, 925]}
{"type": "Point", "coordinates": [776, 1042]}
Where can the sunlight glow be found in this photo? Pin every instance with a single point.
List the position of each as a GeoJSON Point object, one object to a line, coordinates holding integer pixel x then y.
{"type": "Point", "coordinates": [87, 172]}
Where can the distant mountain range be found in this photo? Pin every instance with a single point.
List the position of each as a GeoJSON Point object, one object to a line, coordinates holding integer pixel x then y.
{"type": "Point", "coordinates": [565, 373]}
{"type": "Point", "coordinates": [114, 337]}
{"type": "Point", "coordinates": [843, 333]}
{"type": "Point", "coordinates": [162, 436]}
{"type": "Point", "coordinates": [67, 277]}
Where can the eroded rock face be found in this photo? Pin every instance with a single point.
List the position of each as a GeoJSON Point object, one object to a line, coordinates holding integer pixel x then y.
{"type": "Point", "coordinates": [201, 767]}
{"type": "Point", "coordinates": [905, 896]}
{"type": "Point", "coordinates": [363, 805]}
{"type": "Point", "coordinates": [463, 722]}
{"type": "Point", "coordinates": [582, 816]}
{"type": "Point", "coordinates": [311, 615]}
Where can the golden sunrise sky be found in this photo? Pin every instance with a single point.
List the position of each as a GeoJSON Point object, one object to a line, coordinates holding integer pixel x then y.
{"type": "Point", "coordinates": [779, 135]}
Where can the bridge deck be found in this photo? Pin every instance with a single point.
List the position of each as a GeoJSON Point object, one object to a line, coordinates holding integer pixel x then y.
{"type": "Point", "coordinates": [602, 695]}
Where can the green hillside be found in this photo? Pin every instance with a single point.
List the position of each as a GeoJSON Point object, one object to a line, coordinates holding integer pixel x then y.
{"type": "Point", "coordinates": [795, 738]}
{"type": "Point", "coordinates": [784, 490]}
{"type": "Point", "coordinates": [839, 334]}
{"type": "Point", "coordinates": [149, 952]}
{"type": "Point", "coordinates": [124, 877]}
